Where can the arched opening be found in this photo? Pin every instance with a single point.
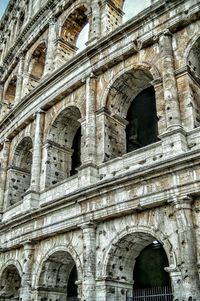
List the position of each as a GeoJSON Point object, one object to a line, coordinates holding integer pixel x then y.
{"type": "Point", "coordinates": [142, 128]}
{"type": "Point", "coordinates": [64, 146]}
{"type": "Point", "coordinates": [10, 284]}
{"type": "Point", "coordinates": [149, 276]}
{"type": "Point", "coordinates": [10, 92]}
{"type": "Point", "coordinates": [132, 8]}
{"type": "Point", "coordinates": [194, 58]}
{"type": "Point", "coordinates": [193, 61]}
{"type": "Point", "coordinates": [58, 278]}
{"type": "Point", "coordinates": [73, 35]}
{"type": "Point", "coordinates": [136, 269]}
{"type": "Point", "coordinates": [36, 66]}
{"type": "Point", "coordinates": [131, 119]}
{"type": "Point", "coordinates": [19, 173]}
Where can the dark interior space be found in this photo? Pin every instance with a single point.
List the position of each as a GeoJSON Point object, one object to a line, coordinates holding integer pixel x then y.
{"type": "Point", "coordinates": [142, 129]}
{"type": "Point", "coordinates": [76, 156]}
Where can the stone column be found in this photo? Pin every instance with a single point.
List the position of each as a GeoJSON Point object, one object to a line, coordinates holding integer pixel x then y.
{"type": "Point", "coordinates": [187, 248]}
{"type": "Point", "coordinates": [19, 79]}
{"type": "Point", "coordinates": [30, 8]}
{"type": "Point", "coordinates": [89, 262]}
{"type": "Point", "coordinates": [51, 47]}
{"type": "Point", "coordinates": [3, 172]}
{"type": "Point", "coordinates": [95, 23]}
{"type": "Point", "coordinates": [90, 122]}
{"type": "Point", "coordinates": [172, 110]}
{"type": "Point", "coordinates": [26, 288]}
{"type": "Point", "coordinates": [37, 152]}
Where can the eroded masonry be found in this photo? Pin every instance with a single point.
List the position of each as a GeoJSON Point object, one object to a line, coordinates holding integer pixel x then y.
{"type": "Point", "coordinates": [100, 151]}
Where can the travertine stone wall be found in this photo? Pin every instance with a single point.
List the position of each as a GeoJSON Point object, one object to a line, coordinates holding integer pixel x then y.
{"type": "Point", "coordinates": [77, 233]}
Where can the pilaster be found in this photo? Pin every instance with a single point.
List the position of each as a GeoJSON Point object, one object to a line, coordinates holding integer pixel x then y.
{"type": "Point", "coordinates": [37, 151]}
{"type": "Point", "coordinates": [89, 262]}
{"type": "Point", "coordinates": [3, 172]}
{"type": "Point", "coordinates": [90, 122]}
{"type": "Point", "coordinates": [51, 47]}
{"type": "Point", "coordinates": [172, 110]}
{"type": "Point", "coordinates": [187, 247]}
{"type": "Point", "coordinates": [26, 288]}
{"type": "Point", "coordinates": [19, 79]}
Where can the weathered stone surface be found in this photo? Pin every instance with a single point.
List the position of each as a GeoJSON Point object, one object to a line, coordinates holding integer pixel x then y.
{"type": "Point", "coordinates": [77, 205]}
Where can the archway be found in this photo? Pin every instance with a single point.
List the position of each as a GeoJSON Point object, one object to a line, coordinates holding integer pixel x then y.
{"type": "Point", "coordinates": [10, 284]}
{"type": "Point", "coordinates": [9, 96]}
{"type": "Point", "coordinates": [64, 146]}
{"type": "Point", "coordinates": [132, 121]}
{"type": "Point", "coordinates": [150, 278]}
{"type": "Point", "coordinates": [58, 278]}
{"type": "Point", "coordinates": [73, 35]}
{"type": "Point", "coordinates": [19, 173]}
{"type": "Point", "coordinates": [36, 66]}
{"type": "Point", "coordinates": [142, 128]}
{"type": "Point", "coordinates": [129, 267]}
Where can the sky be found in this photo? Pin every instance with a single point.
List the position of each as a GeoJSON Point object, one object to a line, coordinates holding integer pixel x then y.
{"type": "Point", "coordinates": [3, 4]}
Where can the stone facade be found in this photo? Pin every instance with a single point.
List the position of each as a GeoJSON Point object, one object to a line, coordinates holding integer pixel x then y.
{"type": "Point", "coordinates": [90, 172]}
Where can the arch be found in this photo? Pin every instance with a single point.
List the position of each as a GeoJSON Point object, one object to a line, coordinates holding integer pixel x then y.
{"type": "Point", "coordinates": [34, 47]}
{"type": "Point", "coordinates": [60, 248]}
{"type": "Point", "coordinates": [10, 91]}
{"type": "Point", "coordinates": [192, 55]}
{"type": "Point", "coordinates": [10, 262]}
{"type": "Point", "coordinates": [10, 282]}
{"type": "Point", "coordinates": [37, 62]}
{"type": "Point", "coordinates": [64, 146]}
{"type": "Point", "coordinates": [150, 232]}
{"type": "Point", "coordinates": [71, 24]}
{"type": "Point", "coordinates": [189, 46]}
{"type": "Point", "coordinates": [71, 10]}
{"type": "Point", "coordinates": [19, 173]}
{"type": "Point", "coordinates": [58, 274]}
{"type": "Point", "coordinates": [21, 152]}
{"type": "Point", "coordinates": [155, 73]}
{"type": "Point", "coordinates": [123, 94]}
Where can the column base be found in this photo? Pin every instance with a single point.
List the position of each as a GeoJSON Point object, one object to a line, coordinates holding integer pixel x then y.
{"type": "Point", "coordinates": [87, 174]}
{"type": "Point", "coordinates": [174, 142]}
{"type": "Point", "coordinates": [31, 200]}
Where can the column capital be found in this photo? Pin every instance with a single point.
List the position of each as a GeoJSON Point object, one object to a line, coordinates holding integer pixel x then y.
{"type": "Point", "coordinates": [29, 245]}
{"type": "Point", "coordinates": [52, 21]}
{"type": "Point", "coordinates": [39, 112]}
{"type": "Point", "coordinates": [88, 225]}
{"type": "Point", "coordinates": [165, 32]}
{"type": "Point", "coordinates": [182, 202]}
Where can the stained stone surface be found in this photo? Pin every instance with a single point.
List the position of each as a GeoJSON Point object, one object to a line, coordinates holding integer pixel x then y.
{"type": "Point", "coordinates": [77, 207]}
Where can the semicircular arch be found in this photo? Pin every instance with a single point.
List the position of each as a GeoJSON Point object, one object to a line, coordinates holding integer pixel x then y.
{"type": "Point", "coordinates": [145, 66]}
{"type": "Point", "coordinates": [151, 233]}
{"type": "Point", "coordinates": [61, 248]}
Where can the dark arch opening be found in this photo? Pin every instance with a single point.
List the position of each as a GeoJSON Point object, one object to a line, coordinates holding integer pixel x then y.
{"type": "Point", "coordinates": [10, 284]}
{"type": "Point", "coordinates": [58, 278]}
{"type": "Point", "coordinates": [72, 291]}
{"type": "Point", "coordinates": [149, 268]}
{"type": "Point", "coordinates": [142, 129]}
{"type": "Point", "coordinates": [76, 156]}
